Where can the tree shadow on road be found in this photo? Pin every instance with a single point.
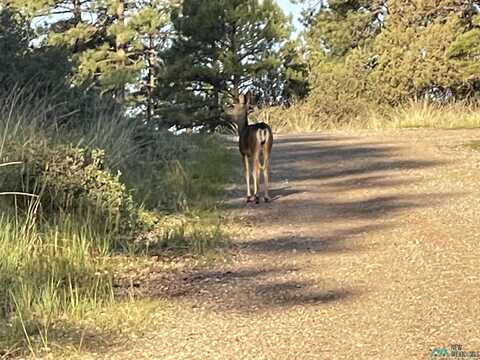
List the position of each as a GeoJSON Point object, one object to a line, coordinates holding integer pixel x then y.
{"type": "Point", "coordinates": [375, 210]}
{"type": "Point", "coordinates": [306, 138]}
{"type": "Point", "coordinates": [251, 289]}
{"type": "Point", "coordinates": [326, 166]}
{"type": "Point", "coordinates": [336, 241]}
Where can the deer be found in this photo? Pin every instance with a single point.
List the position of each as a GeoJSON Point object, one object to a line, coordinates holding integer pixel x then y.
{"type": "Point", "coordinates": [254, 140]}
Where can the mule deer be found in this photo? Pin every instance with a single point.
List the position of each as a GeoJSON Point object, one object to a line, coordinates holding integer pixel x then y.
{"type": "Point", "coordinates": [254, 140]}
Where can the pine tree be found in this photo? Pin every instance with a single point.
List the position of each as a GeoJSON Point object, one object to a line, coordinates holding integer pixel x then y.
{"type": "Point", "coordinates": [338, 40]}
{"type": "Point", "coordinates": [388, 52]}
{"type": "Point", "coordinates": [21, 64]}
{"type": "Point", "coordinates": [464, 51]}
{"type": "Point", "coordinates": [295, 72]}
{"type": "Point", "coordinates": [219, 47]}
{"type": "Point", "coordinates": [108, 39]}
{"type": "Point", "coordinates": [285, 80]}
{"type": "Point", "coordinates": [341, 26]}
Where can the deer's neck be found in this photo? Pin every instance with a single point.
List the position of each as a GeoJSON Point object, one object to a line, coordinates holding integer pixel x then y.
{"type": "Point", "coordinates": [242, 124]}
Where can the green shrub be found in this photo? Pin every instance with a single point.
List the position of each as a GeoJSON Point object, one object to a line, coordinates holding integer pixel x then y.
{"type": "Point", "coordinates": [71, 179]}
{"type": "Point", "coordinates": [74, 169]}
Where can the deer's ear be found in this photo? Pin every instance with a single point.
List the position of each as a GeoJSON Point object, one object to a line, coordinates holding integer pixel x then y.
{"type": "Point", "coordinates": [248, 97]}
{"type": "Point", "coordinates": [241, 99]}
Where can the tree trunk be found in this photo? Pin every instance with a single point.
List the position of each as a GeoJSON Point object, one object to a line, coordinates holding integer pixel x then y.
{"type": "Point", "coordinates": [234, 50]}
{"type": "Point", "coordinates": [77, 11]}
{"type": "Point", "coordinates": [236, 88]}
{"type": "Point", "coordinates": [151, 78]}
{"type": "Point", "coordinates": [120, 48]}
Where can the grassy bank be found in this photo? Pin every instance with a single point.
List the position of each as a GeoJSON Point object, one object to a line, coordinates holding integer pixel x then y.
{"type": "Point", "coordinates": [302, 117]}
{"type": "Point", "coordinates": [77, 201]}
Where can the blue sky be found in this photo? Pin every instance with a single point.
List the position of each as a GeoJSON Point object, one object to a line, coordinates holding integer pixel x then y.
{"type": "Point", "coordinates": [286, 5]}
{"type": "Point", "coordinates": [290, 8]}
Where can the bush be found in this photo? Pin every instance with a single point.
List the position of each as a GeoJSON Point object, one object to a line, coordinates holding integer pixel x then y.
{"type": "Point", "coordinates": [72, 179]}
{"type": "Point", "coordinates": [68, 178]}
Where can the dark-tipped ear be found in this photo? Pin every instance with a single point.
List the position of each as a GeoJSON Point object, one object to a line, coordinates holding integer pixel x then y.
{"type": "Point", "coordinates": [254, 98]}
{"type": "Point", "coordinates": [248, 97]}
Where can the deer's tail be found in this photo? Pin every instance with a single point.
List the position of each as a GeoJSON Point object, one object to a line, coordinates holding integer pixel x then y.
{"type": "Point", "coordinates": [263, 135]}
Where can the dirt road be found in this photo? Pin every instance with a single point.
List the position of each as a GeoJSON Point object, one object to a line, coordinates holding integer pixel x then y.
{"type": "Point", "coordinates": [369, 251]}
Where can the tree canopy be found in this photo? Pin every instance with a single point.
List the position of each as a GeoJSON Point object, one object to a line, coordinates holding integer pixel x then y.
{"type": "Point", "coordinates": [389, 51]}
{"type": "Point", "coordinates": [180, 62]}
{"type": "Point", "coordinates": [219, 48]}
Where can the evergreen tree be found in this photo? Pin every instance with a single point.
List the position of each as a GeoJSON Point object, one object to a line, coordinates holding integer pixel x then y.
{"type": "Point", "coordinates": [285, 79]}
{"type": "Point", "coordinates": [338, 40]}
{"type": "Point", "coordinates": [412, 47]}
{"type": "Point", "coordinates": [218, 48]}
{"type": "Point", "coordinates": [22, 64]}
{"type": "Point", "coordinates": [342, 26]}
{"type": "Point", "coordinates": [464, 51]}
{"type": "Point", "coordinates": [111, 42]}
{"type": "Point", "coordinates": [295, 72]}
{"type": "Point", "coordinates": [363, 52]}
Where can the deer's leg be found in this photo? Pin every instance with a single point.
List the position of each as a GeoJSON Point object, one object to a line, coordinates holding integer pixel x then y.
{"type": "Point", "coordinates": [246, 172]}
{"type": "Point", "coordinates": [256, 174]}
{"type": "Point", "coordinates": [266, 161]}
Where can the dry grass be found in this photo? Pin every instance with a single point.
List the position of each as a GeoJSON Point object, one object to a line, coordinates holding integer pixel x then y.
{"type": "Point", "coordinates": [297, 118]}
{"type": "Point", "coordinates": [427, 115]}
{"type": "Point", "coordinates": [302, 117]}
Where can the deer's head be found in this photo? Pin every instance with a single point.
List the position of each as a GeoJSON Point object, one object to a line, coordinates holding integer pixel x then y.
{"type": "Point", "coordinates": [240, 109]}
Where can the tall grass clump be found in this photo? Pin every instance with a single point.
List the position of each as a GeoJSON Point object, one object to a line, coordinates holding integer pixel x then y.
{"type": "Point", "coordinates": [423, 114]}
{"type": "Point", "coordinates": [70, 168]}
{"type": "Point", "coordinates": [183, 178]}
{"type": "Point", "coordinates": [182, 173]}
{"type": "Point", "coordinates": [297, 118]}
{"type": "Point", "coordinates": [48, 273]}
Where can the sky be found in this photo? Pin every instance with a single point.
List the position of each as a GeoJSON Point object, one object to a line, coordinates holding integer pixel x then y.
{"type": "Point", "coordinates": [292, 9]}
{"type": "Point", "coordinates": [286, 5]}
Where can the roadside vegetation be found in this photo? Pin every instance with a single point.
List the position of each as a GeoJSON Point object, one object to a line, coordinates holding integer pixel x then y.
{"type": "Point", "coordinates": [78, 203]}
{"type": "Point", "coordinates": [302, 117]}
